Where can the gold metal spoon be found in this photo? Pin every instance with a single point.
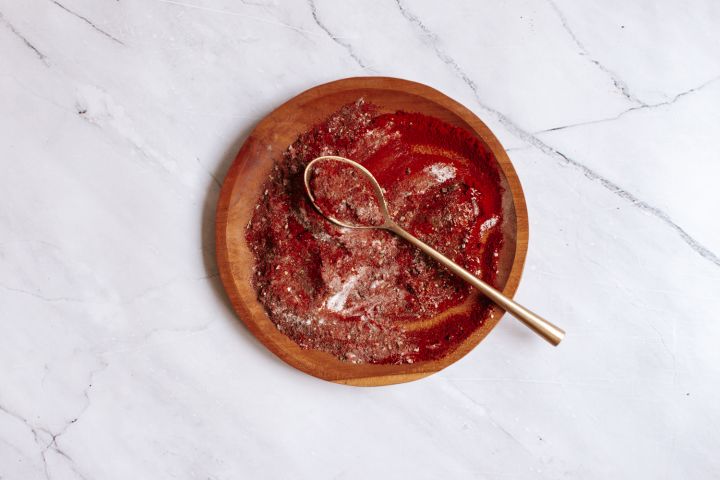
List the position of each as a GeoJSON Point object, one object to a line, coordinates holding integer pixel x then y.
{"type": "Point", "coordinates": [536, 323]}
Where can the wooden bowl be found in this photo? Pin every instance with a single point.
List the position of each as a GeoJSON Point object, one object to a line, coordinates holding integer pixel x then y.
{"type": "Point", "coordinates": [242, 189]}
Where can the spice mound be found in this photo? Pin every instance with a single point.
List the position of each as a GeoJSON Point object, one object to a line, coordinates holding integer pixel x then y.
{"type": "Point", "coordinates": [366, 296]}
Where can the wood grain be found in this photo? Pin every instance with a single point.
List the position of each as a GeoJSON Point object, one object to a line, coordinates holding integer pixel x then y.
{"type": "Point", "coordinates": [241, 190]}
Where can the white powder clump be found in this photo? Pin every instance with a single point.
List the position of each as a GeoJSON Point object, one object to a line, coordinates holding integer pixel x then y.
{"type": "Point", "coordinates": [488, 224]}
{"type": "Point", "coordinates": [442, 173]}
{"type": "Point", "coordinates": [336, 303]}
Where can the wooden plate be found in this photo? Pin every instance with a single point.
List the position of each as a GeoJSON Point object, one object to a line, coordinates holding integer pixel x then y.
{"type": "Point", "coordinates": [242, 188]}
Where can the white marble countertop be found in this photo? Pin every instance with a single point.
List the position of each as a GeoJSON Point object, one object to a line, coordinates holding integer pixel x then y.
{"type": "Point", "coordinates": [119, 356]}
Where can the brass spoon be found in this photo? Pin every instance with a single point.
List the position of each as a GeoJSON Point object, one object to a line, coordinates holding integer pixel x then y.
{"type": "Point", "coordinates": [539, 325]}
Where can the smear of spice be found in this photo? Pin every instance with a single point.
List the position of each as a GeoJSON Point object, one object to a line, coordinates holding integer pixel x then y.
{"type": "Point", "coordinates": [342, 192]}
{"type": "Point", "coordinates": [366, 296]}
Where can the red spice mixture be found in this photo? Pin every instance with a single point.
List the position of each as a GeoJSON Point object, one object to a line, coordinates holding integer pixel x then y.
{"type": "Point", "coordinates": [344, 193]}
{"type": "Point", "coordinates": [366, 296]}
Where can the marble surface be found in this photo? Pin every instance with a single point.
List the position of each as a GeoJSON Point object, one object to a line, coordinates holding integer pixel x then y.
{"type": "Point", "coordinates": [119, 356]}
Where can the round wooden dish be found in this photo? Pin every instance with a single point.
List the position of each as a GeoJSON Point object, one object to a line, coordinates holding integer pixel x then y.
{"type": "Point", "coordinates": [242, 188]}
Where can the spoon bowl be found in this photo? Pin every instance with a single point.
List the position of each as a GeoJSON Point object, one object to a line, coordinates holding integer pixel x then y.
{"type": "Point", "coordinates": [377, 191]}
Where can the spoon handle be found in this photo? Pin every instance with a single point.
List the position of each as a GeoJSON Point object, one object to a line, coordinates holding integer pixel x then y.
{"type": "Point", "coordinates": [551, 333]}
